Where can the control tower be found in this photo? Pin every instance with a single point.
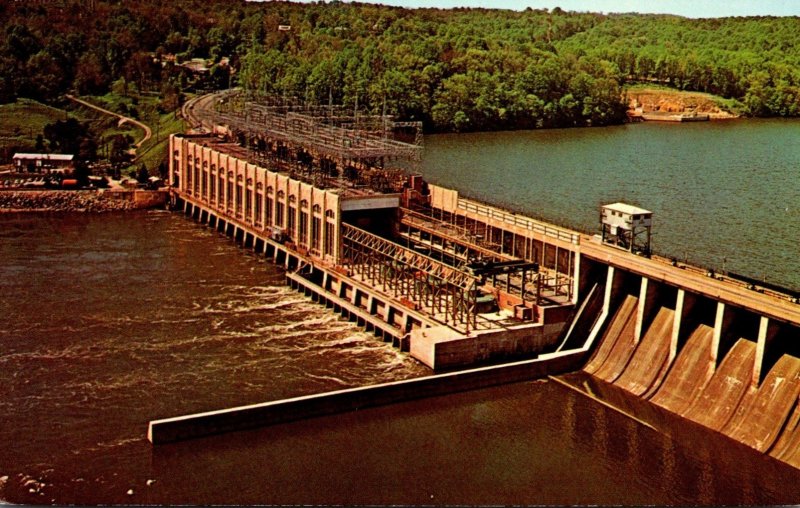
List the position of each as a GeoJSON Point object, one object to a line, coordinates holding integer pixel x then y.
{"type": "Point", "coordinates": [627, 227]}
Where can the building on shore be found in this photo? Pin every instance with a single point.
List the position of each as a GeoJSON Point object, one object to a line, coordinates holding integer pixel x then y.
{"type": "Point", "coordinates": [44, 162]}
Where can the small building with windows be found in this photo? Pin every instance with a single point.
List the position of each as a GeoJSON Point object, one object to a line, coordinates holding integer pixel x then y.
{"type": "Point", "coordinates": [44, 162]}
{"type": "Point", "coordinates": [627, 227]}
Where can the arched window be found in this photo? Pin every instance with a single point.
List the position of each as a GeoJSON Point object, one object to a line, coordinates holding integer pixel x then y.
{"type": "Point", "coordinates": [291, 218]}
{"type": "Point", "coordinates": [212, 187]}
{"type": "Point", "coordinates": [302, 230]}
{"type": "Point", "coordinates": [269, 206]}
{"type": "Point", "coordinates": [196, 178]}
{"type": "Point", "coordinates": [238, 201]}
{"type": "Point", "coordinates": [259, 205]}
{"type": "Point", "coordinates": [221, 186]}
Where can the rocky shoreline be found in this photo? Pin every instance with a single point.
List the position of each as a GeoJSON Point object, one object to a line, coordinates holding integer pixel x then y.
{"type": "Point", "coordinates": [93, 201]}
{"type": "Point", "coordinates": [674, 102]}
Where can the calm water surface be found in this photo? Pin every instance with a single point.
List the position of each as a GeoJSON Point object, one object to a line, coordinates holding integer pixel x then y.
{"type": "Point", "coordinates": [724, 194]}
{"type": "Point", "coordinates": [107, 322]}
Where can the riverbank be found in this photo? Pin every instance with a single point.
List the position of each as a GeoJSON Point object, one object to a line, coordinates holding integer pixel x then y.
{"type": "Point", "coordinates": [93, 201]}
{"type": "Point", "coordinates": [664, 104]}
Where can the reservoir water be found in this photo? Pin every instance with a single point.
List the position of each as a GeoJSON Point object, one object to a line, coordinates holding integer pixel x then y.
{"type": "Point", "coordinates": [724, 195]}
{"type": "Point", "coordinates": [107, 322]}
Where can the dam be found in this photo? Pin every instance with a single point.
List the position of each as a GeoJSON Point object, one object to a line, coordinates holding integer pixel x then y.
{"type": "Point", "coordinates": [461, 284]}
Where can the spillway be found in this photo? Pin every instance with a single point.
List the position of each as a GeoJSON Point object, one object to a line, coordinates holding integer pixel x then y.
{"type": "Point", "coordinates": [619, 327]}
{"type": "Point", "coordinates": [650, 361]}
{"type": "Point", "coordinates": [787, 446]}
{"type": "Point", "coordinates": [690, 373]}
{"type": "Point", "coordinates": [624, 346]}
{"type": "Point", "coordinates": [718, 401]}
{"type": "Point", "coordinates": [763, 411]}
{"type": "Point", "coordinates": [723, 367]}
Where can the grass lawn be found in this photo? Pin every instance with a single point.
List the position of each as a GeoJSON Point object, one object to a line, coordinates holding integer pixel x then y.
{"type": "Point", "coordinates": [23, 120]}
{"type": "Point", "coordinates": [154, 151]}
{"type": "Point", "coordinates": [26, 118]}
{"type": "Point", "coordinates": [145, 109]}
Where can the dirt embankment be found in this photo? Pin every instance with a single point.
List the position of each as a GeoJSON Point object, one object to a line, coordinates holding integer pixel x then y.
{"type": "Point", "coordinates": [669, 101]}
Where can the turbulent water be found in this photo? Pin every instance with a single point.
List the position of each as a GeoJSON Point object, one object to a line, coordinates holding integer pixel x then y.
{"type": "Point", "coordinates": [107, 322]}
{"type": "Point", "coordinates": [110, 321]}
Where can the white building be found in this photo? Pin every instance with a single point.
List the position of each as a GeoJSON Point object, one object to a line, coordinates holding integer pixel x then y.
{"type": "Point", "coordinates": [44, 162]}
{"type": "Point", "coordinates": [627, 227]}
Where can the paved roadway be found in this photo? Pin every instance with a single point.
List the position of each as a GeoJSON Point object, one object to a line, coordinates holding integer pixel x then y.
{"type": "Point", "coordinates": [192, 111]}
{"type": "Point", "coordinates": [695, 281]}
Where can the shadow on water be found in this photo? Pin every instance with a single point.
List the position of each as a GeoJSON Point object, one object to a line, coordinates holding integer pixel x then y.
{"type": "Point", "coordinates": [530, 443]}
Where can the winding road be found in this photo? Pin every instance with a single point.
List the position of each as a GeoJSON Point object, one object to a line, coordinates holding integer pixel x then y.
{"type": "Point", "coordinates": [148, 133]}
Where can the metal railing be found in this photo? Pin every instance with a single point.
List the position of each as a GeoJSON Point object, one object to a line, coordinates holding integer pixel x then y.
{"type": "Point", "coordinates": [521, 221]}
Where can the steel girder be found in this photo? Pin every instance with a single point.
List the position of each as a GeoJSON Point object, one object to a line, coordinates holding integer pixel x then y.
{"type": "Point", "coordinates": [332, 136]}
{"type": "Point", "coordinates": [431, 284]}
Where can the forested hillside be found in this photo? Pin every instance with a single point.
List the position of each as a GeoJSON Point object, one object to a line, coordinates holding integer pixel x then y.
{"type": "Point", "coordinates": [462, 69]}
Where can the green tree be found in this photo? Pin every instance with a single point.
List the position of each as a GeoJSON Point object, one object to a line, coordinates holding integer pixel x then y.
{"type": "Point", "coordinates": [142, 174]}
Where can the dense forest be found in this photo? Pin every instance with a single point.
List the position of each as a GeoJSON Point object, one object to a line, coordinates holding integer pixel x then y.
{"type": "Point", "coordinates": [456, 70]}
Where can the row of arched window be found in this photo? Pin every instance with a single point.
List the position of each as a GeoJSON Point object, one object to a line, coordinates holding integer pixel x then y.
{"type": "Point", "coordinates": [232, 195]}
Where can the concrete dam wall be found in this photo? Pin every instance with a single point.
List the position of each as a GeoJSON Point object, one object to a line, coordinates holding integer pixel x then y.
{"type": "Point", "coordinates": [721, 366]}
{"type": "Point", "coordinates": [459, 283]}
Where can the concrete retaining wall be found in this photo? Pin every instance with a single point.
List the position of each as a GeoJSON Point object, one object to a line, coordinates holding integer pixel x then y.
{"type": "Point", "coordinates": [442, 348]}
{"type": "Point", "coordinates": [271, 413]}
{"type": "Point", "coordinates": [141, 199]}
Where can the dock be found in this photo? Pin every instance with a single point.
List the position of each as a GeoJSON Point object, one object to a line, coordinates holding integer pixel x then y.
{"type": "Point", "coordinates": [666, 116]}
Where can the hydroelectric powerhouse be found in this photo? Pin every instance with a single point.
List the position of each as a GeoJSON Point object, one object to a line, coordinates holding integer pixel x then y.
{"type": "Point", "coordinates": [480, 294]}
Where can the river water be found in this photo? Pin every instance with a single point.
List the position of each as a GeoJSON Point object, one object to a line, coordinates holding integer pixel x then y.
{"type": "Point", "coordinates": [107, 322]}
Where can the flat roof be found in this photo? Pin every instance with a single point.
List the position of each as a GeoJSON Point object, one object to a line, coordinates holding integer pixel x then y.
{"type": "Point", "coordinates": [47, 156]}
{"type": "Point", "coordinates": [627, 209]}
{"type": "Point", "coordinates": [336, 185]}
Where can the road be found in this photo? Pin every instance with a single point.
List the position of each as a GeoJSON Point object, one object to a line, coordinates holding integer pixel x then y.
{"type": "Point", "coordinates": [197, 109]}
{"type": "Point", "coordinates": [726, 290]}
{"type": "Point", "coordinates": [148, 133]}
